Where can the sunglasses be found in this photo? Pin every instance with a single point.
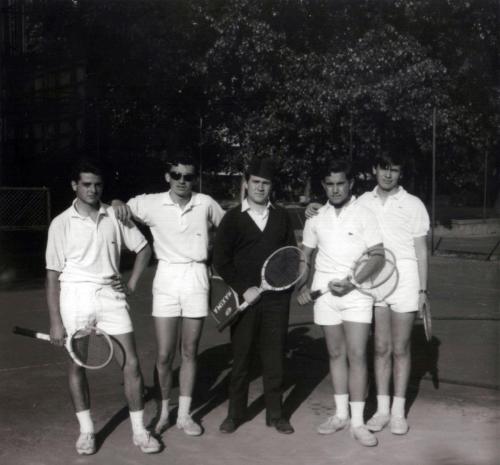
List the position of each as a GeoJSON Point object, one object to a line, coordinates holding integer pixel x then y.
{"type": "Point", "coordinates": [185, 177]}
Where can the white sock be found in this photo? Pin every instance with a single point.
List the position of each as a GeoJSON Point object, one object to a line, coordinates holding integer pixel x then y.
{"type": "Point", "coordinates": [383, 405]}
{"type": "Point", "coordinates": [341, 405]}
{"type": "Point", "coordinates": [357, 410]}
{"type": "Point", "coordinates": [85, 420]}
{"type": "Point", "coordinates": [137, 421]}
{"type": "Point", "coordinates": [398, 407]}
{"type": "Point", "coordinates": [184, 406]}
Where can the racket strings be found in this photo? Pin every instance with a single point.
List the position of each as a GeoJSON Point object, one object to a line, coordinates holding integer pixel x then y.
{"type": "Point", "coordinates": [380, 276]}
{"type": "Point", "coordinates": [284, 268]}
{"type": "Point", "coordinates": [91, 347]}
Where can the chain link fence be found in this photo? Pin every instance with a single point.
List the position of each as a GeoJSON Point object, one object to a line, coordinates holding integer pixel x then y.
{"type": "Point", "coordinates": [24, 208]}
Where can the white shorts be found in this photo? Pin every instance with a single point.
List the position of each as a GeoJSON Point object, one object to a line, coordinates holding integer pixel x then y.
{"type": "Point", "coordinates": [332, 310]}
{"type": "Point", "coordinates": [405, 298]}
{"type": "Point", "coordinates": [83, 304]}
{"type": "Point", "coordinates": [180, 289]}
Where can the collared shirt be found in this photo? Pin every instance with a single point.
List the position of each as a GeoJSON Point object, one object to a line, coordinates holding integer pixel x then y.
{"type": "Point", "coordinates": [402, 218]}
{"type": "Point", "coordinates": [180, 234]}
{"type": "Point", "coordinates": [83, 250]}
{"type": "Point", "coordinates": [341, 239]}
{"type": "Point", "coordinates": [259, 218]}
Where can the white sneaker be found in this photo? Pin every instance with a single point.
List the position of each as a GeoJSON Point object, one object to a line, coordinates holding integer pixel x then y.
{"type": "Point", "coordinates": [85, 444]}
{"type": "Point", "coordinates": [190, 427]}
{"type": "Point", "coordinates": [332, 424]}
{"type": "Point", "coordinates": [147, 443]}
{"type": "Point", "coordinates": [378, 422]}
{"type": "Point", "coordinates": [399, 425]}
{"type": "Point", "coordinates": [364, 436]}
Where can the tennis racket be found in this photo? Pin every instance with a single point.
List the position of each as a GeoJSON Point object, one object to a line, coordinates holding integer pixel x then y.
{"type": "Point", "coordinates": [379, 285]}
{"type": "Point", "coordinates": [281, 270]}
{"type": "Point", "coordinates": [427, 320]}
{"type": "Point", "coordinates": [89, 347]}
{"type": "Point", "coordinates": [224, 302]}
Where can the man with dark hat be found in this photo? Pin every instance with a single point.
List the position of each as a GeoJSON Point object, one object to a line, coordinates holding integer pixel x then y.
{"type": "Point", "coordinates": [247, 235]}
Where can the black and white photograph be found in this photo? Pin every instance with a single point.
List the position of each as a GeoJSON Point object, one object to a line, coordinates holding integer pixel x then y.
{"type": "Point", "coordinates": [256, 232]}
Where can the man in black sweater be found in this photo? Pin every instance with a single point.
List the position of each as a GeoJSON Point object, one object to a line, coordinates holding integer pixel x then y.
{"type": "Point", "coordinates": [247, 235]}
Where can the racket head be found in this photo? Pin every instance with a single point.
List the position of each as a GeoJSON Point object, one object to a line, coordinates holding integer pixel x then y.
{"type": "Point", "coordinates": [224, 303]}
{"type": "Point", "coordinates": [283, 268]}
{"type": "Point", "coordinates": [90, 347]}
{"type": "Point", "coordinates": [384, 281]}
{"type": "Point", "coordinates": [427, 319]}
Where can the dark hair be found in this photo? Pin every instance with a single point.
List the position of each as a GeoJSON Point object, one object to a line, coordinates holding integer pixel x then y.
{"type": "Point", "coordinates": [181, 158]}
{"type": "Point", "coordinates": [339, 166]}
{"type": "Point", "coordinates": [387, 159]}
{"type": "Point", "coordinates": [86, 165]}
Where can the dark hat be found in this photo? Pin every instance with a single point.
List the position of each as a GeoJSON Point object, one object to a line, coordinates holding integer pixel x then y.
{"type": "Point", "coordinates": [261, 167]}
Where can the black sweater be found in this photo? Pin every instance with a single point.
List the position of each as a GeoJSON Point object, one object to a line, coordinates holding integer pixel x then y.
{"type": "Point", "coordinates": [241, 248]}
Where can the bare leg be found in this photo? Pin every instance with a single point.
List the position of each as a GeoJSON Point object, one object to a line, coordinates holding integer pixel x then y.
{"type": "Point", "coordinates": [356, 340]}
{"type": "Point", "coordinates": [336, 345]}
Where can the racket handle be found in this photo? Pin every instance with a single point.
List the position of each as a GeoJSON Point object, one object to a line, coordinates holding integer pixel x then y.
{"type": "Point", "coordinates": [315, 294]}
{"type": "Point", "coordinates": [30, 333]}
{"type": "Point", "coordinates": [243, 306]}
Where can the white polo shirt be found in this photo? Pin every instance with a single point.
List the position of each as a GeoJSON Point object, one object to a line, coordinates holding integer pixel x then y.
{"type": "Point", "coordinates": [180, 235]}
{"type": "Point", "coordinates": [86, 251]}
{"type": "Point", "coordinates": [341, 239]}
{"type": "Point", "coordinates": [260, 219]}
{"type": "Point", "coordinates": [402, 218]}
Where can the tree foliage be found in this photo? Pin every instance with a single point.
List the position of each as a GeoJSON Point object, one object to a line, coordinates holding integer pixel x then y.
{"type": "Point", "coordinates": [286, 78]}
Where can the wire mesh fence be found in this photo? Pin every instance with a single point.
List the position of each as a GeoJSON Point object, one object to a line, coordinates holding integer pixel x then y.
{"type": "Point", "coordinates": [24, 208]}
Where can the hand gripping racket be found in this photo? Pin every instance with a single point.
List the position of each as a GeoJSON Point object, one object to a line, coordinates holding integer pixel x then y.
{"type": "Point", "coordinates": [281, 270]}
{"type": "Point", "coordinates": [89, 347]}
{"type": "Point", "coordinates": [380, 284]}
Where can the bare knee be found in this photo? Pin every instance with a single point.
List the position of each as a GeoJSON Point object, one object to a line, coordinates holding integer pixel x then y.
{"type": "Point", "coordinates": [336, 353]}
{"type": "Point", "coordinates": [131, 367]}
{"type": "Point", "coordinates": [401, 350]}
{"type": "Point", "coordinates": [383, 349]}
{"type": "Point", "coordinates": [165, 359]}
{"type": "Point", "coordinates": [188, 352]}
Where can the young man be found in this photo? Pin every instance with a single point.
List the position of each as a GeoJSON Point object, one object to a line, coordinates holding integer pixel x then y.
{"type": "Point", "coordinates": [247, 235]}
{"type": "Point", "coordinates": [180, 221]}
{"type": "Point", "coordinates": [342, 231]}
{"type": "Point", "coordinates": [84, 287]}
{"type": "Point", "coordinates": [404, 222]}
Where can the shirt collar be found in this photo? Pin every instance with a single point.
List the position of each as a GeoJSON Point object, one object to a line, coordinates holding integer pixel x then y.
{"type": "Point", "coordinates": [401, 192]}
{"type": "Point", "coordinates": [327, 206]}
{"type": "Point", "coordinates": [245, 206]}
{"type": "Point", "coordinates": [76, 214]}
{"type": "Point", "coordinates": [194, 200]}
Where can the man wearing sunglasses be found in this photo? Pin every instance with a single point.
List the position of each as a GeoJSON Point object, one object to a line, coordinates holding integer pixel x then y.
{"type": "Point", "coordinates": [180, 221]}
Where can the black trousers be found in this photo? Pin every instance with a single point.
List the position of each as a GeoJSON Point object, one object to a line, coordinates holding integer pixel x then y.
{"type": "Point", "coordinates": [262, 327]}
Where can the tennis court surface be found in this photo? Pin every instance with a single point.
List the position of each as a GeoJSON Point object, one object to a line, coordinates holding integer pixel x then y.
{"type": "Point", "coordinates": [454, 396]}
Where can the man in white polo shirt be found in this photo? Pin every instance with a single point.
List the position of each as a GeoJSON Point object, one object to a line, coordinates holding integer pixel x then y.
{"type": "Point", "coordinates": [180, 222]}
{"type": "Point", "coordinates": [404, 222]}
{"type": "Point", "coordinates": [84, 288]}
{"type": "Point", "coordinates": [342, 231]}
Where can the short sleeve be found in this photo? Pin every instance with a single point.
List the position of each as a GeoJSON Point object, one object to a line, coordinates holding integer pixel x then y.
{"type": "Point", "coordinates": [133, 239]}
{"type": "Point", "coordinates": [138, 207]}
{"type": "Point", "coordinates": [420, 221]}
{"type": "Point", "coordinates": [309, 236]}
{"type": "Point", "coordinates": [54, 253]}
{"type": "Point", "coordinates": [215, 212]}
